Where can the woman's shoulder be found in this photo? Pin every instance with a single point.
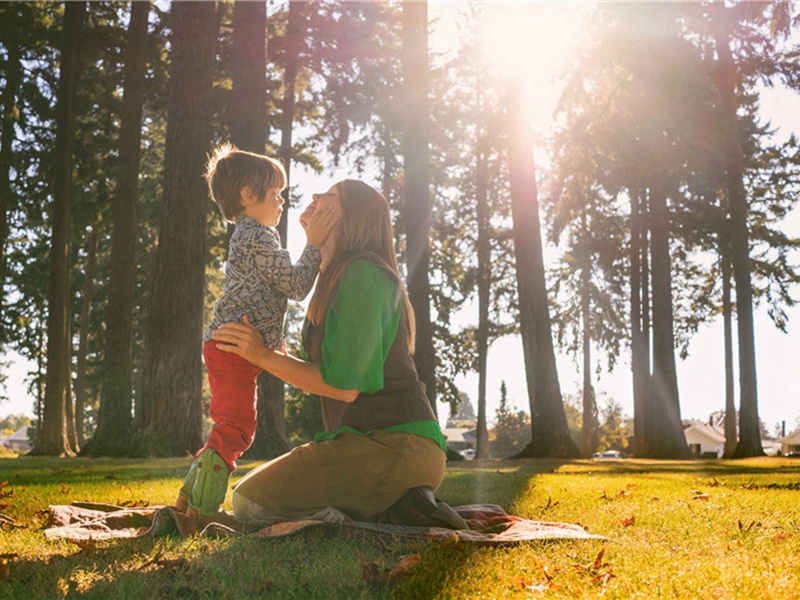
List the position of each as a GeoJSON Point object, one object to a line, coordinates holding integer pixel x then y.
{"type": "Point", "coordinates": [362, 270]}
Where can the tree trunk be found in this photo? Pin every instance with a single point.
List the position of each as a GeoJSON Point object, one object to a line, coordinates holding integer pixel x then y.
{"type": "Point", "coordinates": [416, 180]}
{"type": "Point", "coordinates": [589, 425]}
{"type": "Point", "coordinates": [749, 427]}
{"type": "Point", "coordinates": [295, 34]}
{"type": "Point", "coordinates": [727, 310]}
{"type": "Point", "coordinates": [114, 424]}
{"type": "Point", "coordinates": [53, 441]}
{"type": "Point", "coordinates": [483, 252]}
{"type": "Point", "coordinates": [83, 338]}
{"type": "Point", "coordinates": [9, 117]}
{"type": "Point", "coordinates": [548, 422]}
{"type": "Point", "coordinates": [249, 130]}
{"type": "Point", "coordinates": [665, 437]}
{"type": "Point", "coordinates": [640, 346]}
{"type": "Point", "coordinates": [172, 371]}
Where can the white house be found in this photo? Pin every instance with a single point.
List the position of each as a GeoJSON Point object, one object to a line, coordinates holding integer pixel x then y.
{"type": "Point", "coordinates": [790, 443]}
{"type": "Point", "coordinates": [18, 440]}
{"type": "Point", "coordinates": [703, 439]}
{"type": "Point", "coordinates": [460, 438]}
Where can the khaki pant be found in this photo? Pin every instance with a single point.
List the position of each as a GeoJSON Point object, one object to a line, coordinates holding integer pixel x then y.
{"type": "Point", "coordinates": [359, 475]}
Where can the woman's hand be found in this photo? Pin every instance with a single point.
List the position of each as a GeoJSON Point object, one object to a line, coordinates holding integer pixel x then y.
{"type": "Point", "coordinates": [242, 339]}
{"type": "Point", "coordinates": [319, 228]}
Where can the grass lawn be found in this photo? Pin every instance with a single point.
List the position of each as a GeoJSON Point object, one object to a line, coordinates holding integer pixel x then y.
{"type": "Point", "coordinates": [699, 529]}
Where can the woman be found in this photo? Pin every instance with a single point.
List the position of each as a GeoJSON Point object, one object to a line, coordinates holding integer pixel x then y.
{"type": "Point", "coordinates": [381, 437]}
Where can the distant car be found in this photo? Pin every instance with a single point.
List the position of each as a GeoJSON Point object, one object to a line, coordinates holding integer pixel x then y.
{"type": "Point", "coordinates": [793, 454]}
{"type": "Point", "coordinates": [469, 453]}
{"type": "Point", "coordinates": [607, 455]}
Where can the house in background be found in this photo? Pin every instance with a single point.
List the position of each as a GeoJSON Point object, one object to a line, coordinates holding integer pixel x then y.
{"type": "Point", "coordinates": [460, 438]}
{"type": "Point", "coordinates": [790, 443]}
{"type": "Point", "coordinates": [18, 441]}
{"type": "Point", "coordinates": [704, 439]}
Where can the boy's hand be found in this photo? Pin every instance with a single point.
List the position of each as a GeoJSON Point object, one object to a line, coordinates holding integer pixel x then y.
{"type": "Point", "coordinates": [321, 225]}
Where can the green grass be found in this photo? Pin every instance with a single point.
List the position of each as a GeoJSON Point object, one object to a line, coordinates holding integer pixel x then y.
{"type": "Point", "coordinates": [740, 540]}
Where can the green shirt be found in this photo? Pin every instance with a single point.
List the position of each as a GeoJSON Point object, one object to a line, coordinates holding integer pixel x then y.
{"type": "Point", "coordinates": [360, 327]}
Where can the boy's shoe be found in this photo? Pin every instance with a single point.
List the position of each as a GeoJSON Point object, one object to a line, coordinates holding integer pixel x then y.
{"type": "Point", "coordinates": [210, 482]}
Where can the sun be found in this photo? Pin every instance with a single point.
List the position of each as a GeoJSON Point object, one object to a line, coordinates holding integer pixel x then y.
{"type": "Point", "coordinates": [529, 43]}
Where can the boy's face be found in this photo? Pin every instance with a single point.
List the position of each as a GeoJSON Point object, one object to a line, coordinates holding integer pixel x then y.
{"type": "Point", "coordinates": [266, 210]}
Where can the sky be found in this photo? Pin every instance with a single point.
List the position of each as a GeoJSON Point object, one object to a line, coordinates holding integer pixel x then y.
{"type": "Point", "coordinates": [538, 37]}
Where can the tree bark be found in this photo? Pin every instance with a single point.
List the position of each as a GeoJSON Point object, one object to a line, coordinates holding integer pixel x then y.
{"type": "Point", "coordinates": [727, 310]}
{"type": "Point", "coordinates": [640, 347]}
{"type": "Point", "coordinates": [83, 338]}
{"type": "Point", "coordinates": [53, 441]}
{"type": "Point", "coordinates": [114, 423]}
{"type": "Point", "coordinates": [483, 252]}
{"type": "Point", "coordinates": [749, 426]}
{"type": "Point", "coordinates": [9, 117]}
{"type": "Point", "coordinates": [249, 131]}
{"type": "Point", "coordinates": [172, 371]}
{"type": "Point", "coordinates": [548, 422]}
{"type": "Point", "coordinates": [665, 437]}
{"type": "Point", "coordinates": [589, 425]}
{"type": "Point", "coordinates": [416, 181]}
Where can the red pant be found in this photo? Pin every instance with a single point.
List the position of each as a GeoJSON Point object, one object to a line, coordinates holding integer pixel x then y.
{"type": "Point", "coordinates": [233, 402]}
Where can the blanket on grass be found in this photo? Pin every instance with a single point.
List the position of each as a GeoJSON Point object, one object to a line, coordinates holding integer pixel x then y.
{"type": "Point", "coordinates": [489, 524]}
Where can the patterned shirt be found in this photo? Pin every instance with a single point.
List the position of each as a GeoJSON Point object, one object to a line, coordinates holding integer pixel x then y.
{"type": "Point", "coordinates": [259, 277]}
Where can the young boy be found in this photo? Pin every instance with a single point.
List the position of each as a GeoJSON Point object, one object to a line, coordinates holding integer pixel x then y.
{"type": "Point", "coordinates": [259, 277]}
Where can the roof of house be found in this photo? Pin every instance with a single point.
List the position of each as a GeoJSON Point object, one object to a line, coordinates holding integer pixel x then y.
{"type": "Point", "coordinates": [20, 434]}
{"type": "Point", "coordinates": [792, 438]}
{"type": "Point", "coordinates": [704, 429]}
{"type": "Point", "coordinates": [459, 434]}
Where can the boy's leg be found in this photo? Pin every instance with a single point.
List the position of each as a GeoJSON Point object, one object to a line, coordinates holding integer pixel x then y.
{"type": "Point", "coordinates": [233, 383]}
{"type": "Point", "coordinates": [233, 408]}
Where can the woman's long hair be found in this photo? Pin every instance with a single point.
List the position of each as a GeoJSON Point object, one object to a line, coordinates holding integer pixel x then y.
{"type": "Point", "coordinates": [364, 232]}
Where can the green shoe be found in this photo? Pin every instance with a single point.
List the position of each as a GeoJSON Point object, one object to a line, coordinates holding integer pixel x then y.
{"type": "Point", "coordinates": [211, 483]}
{"type": "Point", "coordinates": [191, 477]}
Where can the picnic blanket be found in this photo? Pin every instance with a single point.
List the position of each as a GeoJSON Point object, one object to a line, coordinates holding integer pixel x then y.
{"type": "Point", "coordinates": [488, 524]}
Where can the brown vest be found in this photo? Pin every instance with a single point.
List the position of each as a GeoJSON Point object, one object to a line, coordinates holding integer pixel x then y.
{"type": "Point", "coordinates": [402, 399]}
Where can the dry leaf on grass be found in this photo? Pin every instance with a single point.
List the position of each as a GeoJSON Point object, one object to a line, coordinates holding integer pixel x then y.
{"type": "Point", "coordinates": [9, 522]}
{"type": "Point", "coordinates": [550, 503]}
{"type": "Point", "coordinates": [64, 489]}
{"type": "Point", "coordinates": [629, 521]}
{"type": "Point", "coordinates": [780, 536]}
{"type": "Point", "coordinates": [700, 496]}
{"type": "Point", "coordinates": [375, 574]}
{"type": "Point", "coordinates": [404, 567]}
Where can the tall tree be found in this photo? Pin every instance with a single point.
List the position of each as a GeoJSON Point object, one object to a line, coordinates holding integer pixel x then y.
{"type": "Point", "coordinates": [8, 119]}
{"type": "Point", "coordinates": [550, 433]}
{"type": "Point", "coordinates": [113, 431]}
{"type": "Point", "coordinates": [665, 438]}
{"type": "Point", "coordinates": [172, 371]}
{"type": "Point", "coordinates": [53, 440]}
{"type": "Point", "coordinates": [416, 182]}
{"type": "Point", "coordinates": [83, 339]}
{"type": "Point", "coordinates": [249, 131]}
{"type": "Point", "coordinates": [749, 430]}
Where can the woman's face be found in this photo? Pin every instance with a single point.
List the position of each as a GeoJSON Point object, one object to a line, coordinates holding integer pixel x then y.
{"type": "Point", "coordinates": [330, 199]}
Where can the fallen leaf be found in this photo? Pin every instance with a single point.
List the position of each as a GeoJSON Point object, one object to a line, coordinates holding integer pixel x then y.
{"type": "Point", "coordinates": [630, 486]}
{"type": "Point", "coordinates": [714, 483]}
{"type": "Point", "coordinates": [780, 536]}
{"type": "Point", "coordinates": [268, 587]}
{"type": "Point", "coordinates": [623, 494]}
{"type": "Point", "coordinates": [64, 489]}
{"type": "Point", "coordinates": [701, 497]}
{"type": "Point", "coordinates": [747, 529]}
{"type": "Point", "coordinates": [550, 503]}
{"type": "Point", "coordinates": [598, 561]}
{"type": "Point", "coordinates": [371, 572]}
{"type": "Point", "coordinates": [404, 567]}
{"type": "Point", "coordinates": [629, 521]}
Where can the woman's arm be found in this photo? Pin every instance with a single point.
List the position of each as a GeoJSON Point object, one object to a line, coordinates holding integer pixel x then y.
{"type": "Point", "coordinates": [243, 339]}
